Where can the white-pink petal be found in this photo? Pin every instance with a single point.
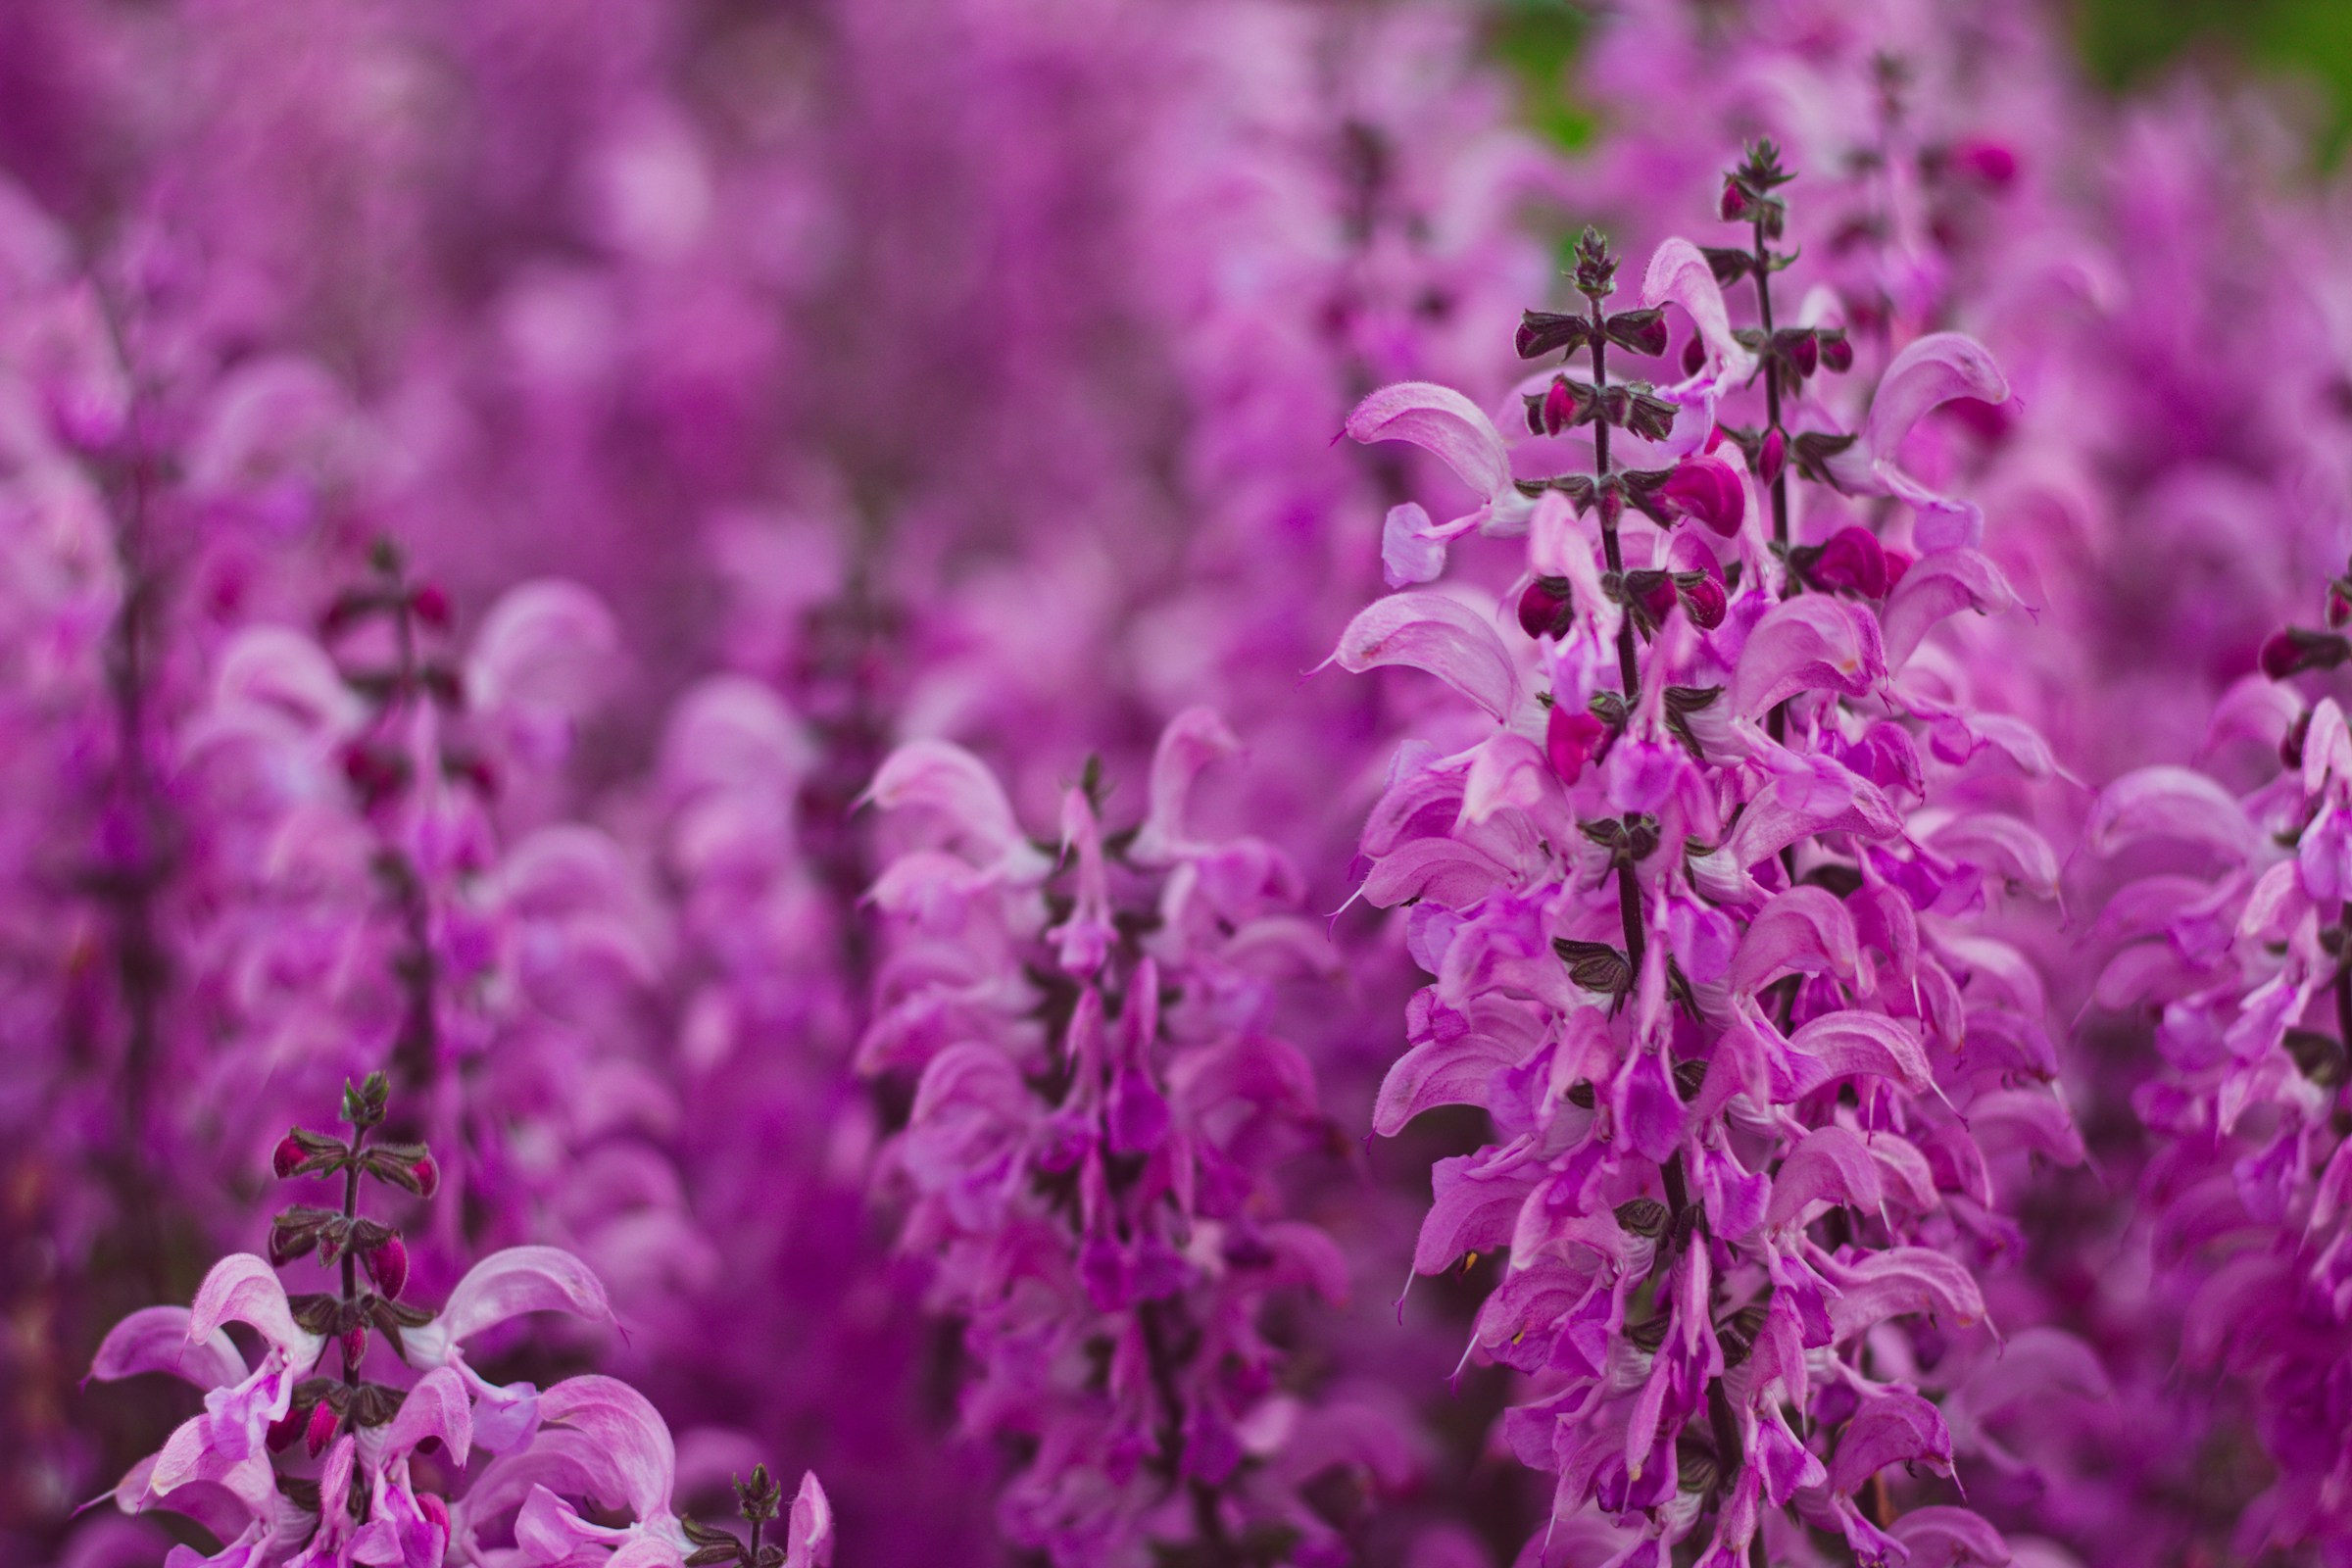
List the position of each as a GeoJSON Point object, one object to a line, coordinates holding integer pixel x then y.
{"type": "Point", "coordinates": [1442, 422]}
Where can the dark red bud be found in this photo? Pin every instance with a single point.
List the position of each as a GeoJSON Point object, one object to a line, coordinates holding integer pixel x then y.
{"type": "Point", "coordinates": [388, 1266]}
{"type": "Point", "coordinates": [2340, 603]}
{"type": "Point", "coordinates": [1772, 458]}
{"type": "Point", "coordinates": [1804, 353]}
{"type": "Point", "coordinates": [1571, 739]}
{"type": "Point", "coordinates": [355, 1348]}
{"type": "Point", "coordinates": [1707, 491]}
{"type": "Point", "coordinates": [321, 1430]}
{"type": "Point", "coordinates": [2290, 744]}
{"type": "Point", "coordinates": [428, 1176]}
{"type": "Point", "coordinates": [1734, 205]}
{"type": "Point", "coordinates": [1836, 354]}
{"type": "Point", "coordinates": [1659, 596]}
{"type": "Point", "coordinates": [286, 1427]}
{"type": "Point", "coordinates": [430, 604]}
{"type": "Point", "coordinates": [1990, 161]}
{"type": "Point", "coordinates": [1706, 603]}
{"type": "Point", "coordinates": [1560, 406]}
{"type": "Point", "coordinates": [1851, 561]}
{"type": "Point", "coordinates": [1546, 608]}
{"type": "Point", "coordinates": [289, 1156]}
{"type": "Point", "coordinates": [1694, 356]}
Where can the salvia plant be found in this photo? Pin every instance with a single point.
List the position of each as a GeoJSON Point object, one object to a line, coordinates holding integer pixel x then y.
{"type": "Point", "coordinates": [308, 1457]}
{"type": "Point", "coordinates": [661, 602]}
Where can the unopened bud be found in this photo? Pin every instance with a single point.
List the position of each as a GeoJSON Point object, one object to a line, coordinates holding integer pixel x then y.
{"type": "Point", "coordinates": [355, 1348]}
{"type": "Point", "coordinates": [1772, 457]}
{"type": "Point", "coordinates": [1571, 740]}
{"type": "Point", "coordinates": [388, 1266]}
{"type": "Point", "coordinates": [321, 1430]}
{"type": "Point", "coordinates": [286, 1427]}
{"type": "Point", "coordinates": [1708, 491]}
{"type": "Point", "coordinates": [1704, 602]}
{"type": "Point", "coordinates": [1546, 608]}
{"type": "Point", "coordinates": [1836, 353]}
{"type": "Point", "coordinates": [2339, 602]}
{"type": "Point", "coordinates": [431, 604]}
{"type": "Point", "coordinates": [289, 1156]}
{"type": "Point", "coordinates": [428, 1174]}
{"type": "Point", "coordinates": [1695, 355]}
{"type": "Point", "coordinates": [1734, 206]}
{"type": "Point", "coordinates": [2295, 650]}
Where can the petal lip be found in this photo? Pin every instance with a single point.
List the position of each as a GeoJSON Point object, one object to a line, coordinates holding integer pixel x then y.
{"type": "Point", "coordinates": [1443, 422]}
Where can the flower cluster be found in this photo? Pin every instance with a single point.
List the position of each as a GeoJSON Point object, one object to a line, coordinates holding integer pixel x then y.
{"type": "Point", "coordinates": [1701, 946]}
{"type": "Point", "coordinates": [1100, 1108]}
{"type": "Point", "coordinates": [293, 1463]}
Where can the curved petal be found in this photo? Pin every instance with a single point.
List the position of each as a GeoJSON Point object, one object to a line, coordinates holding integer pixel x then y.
{"type": "Point", "coordinates": [941, 776]}
{"type": "Point", "coordinates": [521, 1278]}
{"type": "Point", "coordinates": [1192, 739]}
{"type": "Point", "coordinates": [1832, 1165]}
{"type": "Point", "coordinates": [1938, 585]}
{"type": "Point", "coordinates": [1806, 644]}
{"type": "Point", "coordinates": [436, 1408]}
{"type": "Point", "coordinates": [1438, 421]}
{"type": "Point", "coordinates": [157, 1340]}
{"type": "Point", "coordinates": [1933, 371]}
{"type": "Point", "coordinates": [628, 1436]}
{"type": "Point", "coordinates": [1441, 635]}
{"type": "Point", "coordinates": [2169, 802]}
{"type": "Point", "coordinates": [244, 1289]}
{"type": "Point", "coordinates": [1679, 274]}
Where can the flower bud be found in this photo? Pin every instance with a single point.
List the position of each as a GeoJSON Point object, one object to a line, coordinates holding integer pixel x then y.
{"type": "Point", "coordinates": [388, 1266]}
{"type": "Point", "coordinates": [1734, 206]}
{"type": "Point", "coordinates": [1836, 353]}
{"type": "Point", "coordinates": [1704, 602]}
{"type": "Point", "coordinates": [321, 1430]}
{"type": "Point", "coordinates": [1695, 355]}
{"type": "Point", "coordinates": [1851, 561]}
{"type": "Point", "coordinates": [286, 1427]}
{"type": "Point", "coordinates": [289, 1156]}
{"type": "Point", "coordinates": [1571, 739]}
{"type": "Point", "coordinates": [1772, 457]}
{"type": "Point", "coordinates": [2295, 650]}
{"type": "Point", "coordinates": [1804, 354]}
{"type": "Point", "coordinates": [430, 604]}
{"type": "Point", "coordinates": [1989, 161]}
{"type": "Point", "coordinates": [428, 1174]}
{"type": "Point", "coordinates": [1547, 607]}
{"type": "Point", "coordinates": [354, 1347]}
{"type": "Point", "coordinates": [2340, 603]}
{"type": "Point", "coordinates": [1707, 491]}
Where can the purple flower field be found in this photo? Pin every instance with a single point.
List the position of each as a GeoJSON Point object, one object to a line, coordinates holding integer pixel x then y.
{"type": "Point", "coordinates": [1132, 784]}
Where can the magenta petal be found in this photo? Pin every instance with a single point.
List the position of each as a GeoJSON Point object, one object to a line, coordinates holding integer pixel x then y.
{"type": "Point", "coordinates": [1894, 1426]}
{"type": "Point", "coordinates": [437, 1407]}
{"type": "Point", "coordinates": [1709, 489]}
{"type": "Point", "coordinates": [1941, 1536]}
{"type": "Point", "coordinates": [1831, 1166]}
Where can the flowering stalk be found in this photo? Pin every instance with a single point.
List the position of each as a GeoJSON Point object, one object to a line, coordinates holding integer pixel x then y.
{"type": "Point", "coordinates": [1090, 1155]}
{"type": "Point", "coordinates": [2244, 972]}
{"type": "Point", "coordinates": [1738, 1132]}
